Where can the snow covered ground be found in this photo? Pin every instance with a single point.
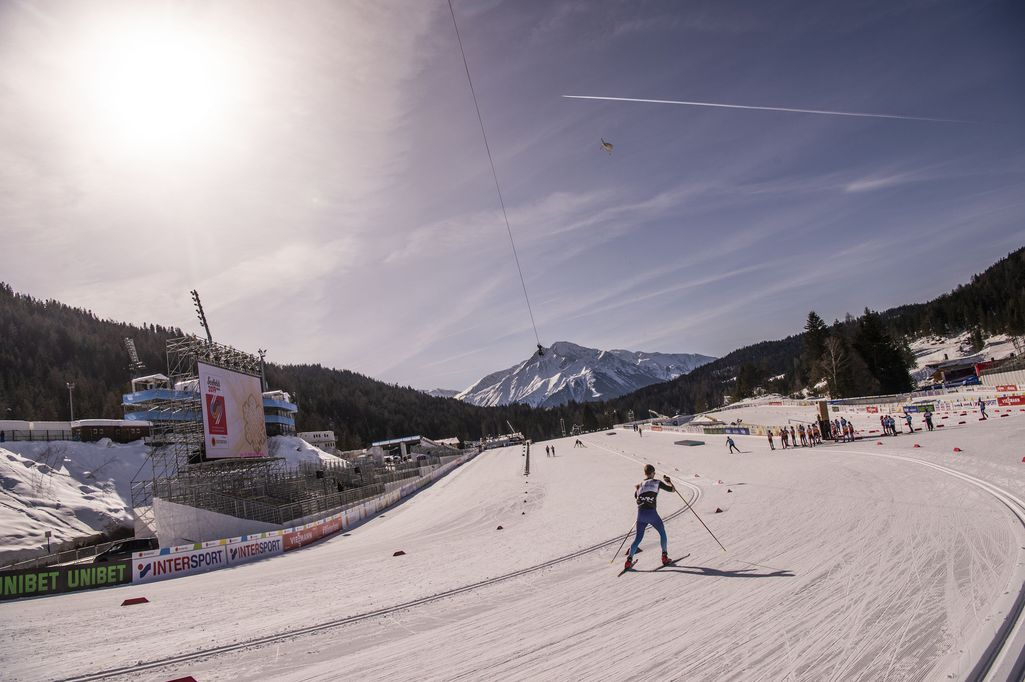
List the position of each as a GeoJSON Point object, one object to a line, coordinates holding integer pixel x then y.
{"type": "Point", "coordinates": [71, 489]}
{"type": "Point", "coordinates": [853, 562]}
{"type": "Point", "coordinates": [79, 489]}
{"type": "Point", "coordinates": [931, 350]}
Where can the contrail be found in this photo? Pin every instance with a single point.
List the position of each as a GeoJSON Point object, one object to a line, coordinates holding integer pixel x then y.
{"type": "Point", "coordinates": [786, 109]}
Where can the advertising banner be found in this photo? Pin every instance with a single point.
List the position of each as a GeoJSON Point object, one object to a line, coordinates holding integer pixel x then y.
{"type": "Point", "coordinates": [315, 531]}
{"type": "Point", "coordinates": [150, 566]}
{"type": "Point", "coordinates": [923, 407]}
{"type": "Point", "coordinates": [1004, 388]}
{"type": "Point", "coordinates": [38, 582]}
{"type": "Point", "coordinates": [1009, 400]}
{"type": "Point", "coordinates": [250, 550]}
{"type": "Point", "coordinates": [233, 423]}
{"type": "Point", "coordinates": [872, 409]}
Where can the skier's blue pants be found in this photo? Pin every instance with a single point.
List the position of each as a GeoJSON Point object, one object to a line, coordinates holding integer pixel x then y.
{"type": "Point", "coordinates": [646, 517]}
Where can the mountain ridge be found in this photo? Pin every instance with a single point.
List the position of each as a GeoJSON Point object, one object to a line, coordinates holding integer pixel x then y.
{"type": "Point", "coordinates": [568, 372]}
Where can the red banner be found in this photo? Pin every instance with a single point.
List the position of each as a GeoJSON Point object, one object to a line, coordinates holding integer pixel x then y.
{"type": "Point", "coordinates": [1007, 400]}
{"type": "Point", "coordinates": [872, 408]}
{"type": "Point", "coordinates": [1007, 387]}
{"type": "Point", "coordinates": [307, 536]}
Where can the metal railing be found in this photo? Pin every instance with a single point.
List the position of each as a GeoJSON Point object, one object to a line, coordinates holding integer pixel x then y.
{"type": "Point", "coordinates": [64, 557]}
{"type": "Point", "coordinates": [1009, 365]}
{"type": "Point", "coordinates": [42, 435]}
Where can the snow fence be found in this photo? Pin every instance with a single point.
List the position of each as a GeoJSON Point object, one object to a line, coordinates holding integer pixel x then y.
{"type": "Point", "coordinates": [182, 560]}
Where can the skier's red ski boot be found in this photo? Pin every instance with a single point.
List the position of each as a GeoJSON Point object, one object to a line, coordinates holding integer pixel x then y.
{"type": "Point", "coordinates": [665, 559]}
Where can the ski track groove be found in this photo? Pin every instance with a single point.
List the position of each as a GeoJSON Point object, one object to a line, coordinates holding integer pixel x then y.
{"type": "Point", "coordinates": [384, 612]}
{"type": "Point", "coordinates": [895, 619]}
{"type": "Point", "coordinates": [1004, 637]}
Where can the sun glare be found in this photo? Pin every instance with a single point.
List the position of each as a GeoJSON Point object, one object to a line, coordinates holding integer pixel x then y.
{"type": "Point", "coordinates": [157, 87]}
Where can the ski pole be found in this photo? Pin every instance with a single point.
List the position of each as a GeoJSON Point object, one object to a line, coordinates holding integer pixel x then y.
{"type": "Point", "coordinates": [621, 544]}
{"type": "Point", "coordinates": [698, 517]}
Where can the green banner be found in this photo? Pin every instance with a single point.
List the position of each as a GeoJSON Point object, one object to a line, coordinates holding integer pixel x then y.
{"type": "Point", "coordinates": [38, 582]}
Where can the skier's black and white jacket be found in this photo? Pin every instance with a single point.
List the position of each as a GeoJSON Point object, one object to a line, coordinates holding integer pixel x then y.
{"type": "Point", "coordinates": [647, 492]}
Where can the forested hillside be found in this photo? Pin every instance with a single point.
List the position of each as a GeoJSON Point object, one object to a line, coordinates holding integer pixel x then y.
{"type": "Point", "coordinates": [855, 356]}
{"type": "Point", "coordinates": [44, 344]}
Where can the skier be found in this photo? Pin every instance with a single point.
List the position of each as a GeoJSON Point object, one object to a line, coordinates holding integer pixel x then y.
{"type": "Point", "coordinates": [982, 408]}
{"type": "Point", "coordinates": [783, 437]}
{"type": "Point", "coordinates": [793, 435]}
{"type": "Point", "coordinates": [548, 451]}
{"type": "Point", "coordinates": [907, 418]}
{"type": "Point", "coordinates": [646, 494]}
{"type": "Point", "coordinates": [928, 420]}
{"type": "Point", "coordinates": [804, 436]}
{"type": "Point", "coordinates": [732, 445]}
{"type": "Point", "coordinates": [553, 451]}
{"type": "Point", "coordinates": [772, 446]}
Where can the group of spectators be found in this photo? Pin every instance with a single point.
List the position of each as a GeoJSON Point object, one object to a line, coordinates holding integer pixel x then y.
{"type": "Point", "coordinates": [841, 430]}
{"type": "Point", "coordinates": [805, 436]}
{"type": "Point", "coordinates": [810, 435]}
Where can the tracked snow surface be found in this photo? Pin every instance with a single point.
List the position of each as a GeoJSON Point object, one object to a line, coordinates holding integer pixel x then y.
{"type": "Point", "coordinates": [845, 562]}
{"type": "Point", "coordinates": [570, 372]}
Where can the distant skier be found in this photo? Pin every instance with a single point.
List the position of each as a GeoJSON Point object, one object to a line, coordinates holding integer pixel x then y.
{"type": "Point", "coordinates": [793, 435]}
{"type": "Point", "coordinates": [803, 435]}
{"type": "Point", "coordinates": [907, 418]}
{"type": "Point", "coordinates": [548, 451]}
{"type": "Point", "coordinates": [646, 494]}
{"type": "Point", "coordinates": [772, 446]}
{"type": "Point", "coordinates": [928, 420]}
{"type": "Point", "coordinates": [783, 438]}
{"type": "Point", "coordinates": [982, 408]}
{"type": "Point", "coordinates": [553, 451]}
{"type": "Point", "coordinates": [732, 445]}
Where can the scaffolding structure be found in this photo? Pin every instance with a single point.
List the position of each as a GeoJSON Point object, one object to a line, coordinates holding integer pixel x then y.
{"type": "Point", "coordinates": [256, 488]}
{"type": "Point", "coordinates": [176, 435]}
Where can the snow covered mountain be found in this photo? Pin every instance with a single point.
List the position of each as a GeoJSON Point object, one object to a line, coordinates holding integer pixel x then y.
{"type": "Point", "coordinates": [570, 372]}
{"type": "Point", "coordinates": [442, 393]}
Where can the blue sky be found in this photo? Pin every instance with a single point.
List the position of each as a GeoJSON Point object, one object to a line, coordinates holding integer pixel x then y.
{"type": "Point", "coordinates": [319, 175]}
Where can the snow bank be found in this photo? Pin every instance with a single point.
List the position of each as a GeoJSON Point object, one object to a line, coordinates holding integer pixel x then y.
{"type": "Point", "coordinates": [295, 450]}
{"type": "Point", "coordinates": [930, 350]}
{"type": "Point", "coordinates": [70, 489]}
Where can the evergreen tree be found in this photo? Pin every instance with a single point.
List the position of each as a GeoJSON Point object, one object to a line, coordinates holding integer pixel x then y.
{"type": "Point", "coordinates": [815, 335]}
{"type": "Point", "coordinates": [882, 355]}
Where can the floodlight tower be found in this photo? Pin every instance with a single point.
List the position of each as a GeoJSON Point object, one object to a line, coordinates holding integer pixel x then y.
{"type": "Point", "coordinates": [71, 402]}
{"type": "Point", "coordinates": [202, 316]}
{"type": "Point", "coordinates": [263, 369]}
{"type": "Point", "coordinates": [134, 363]}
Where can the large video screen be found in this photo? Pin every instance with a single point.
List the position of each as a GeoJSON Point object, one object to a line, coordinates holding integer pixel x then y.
{"type": "Point", "coordinates": [233, 423]}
